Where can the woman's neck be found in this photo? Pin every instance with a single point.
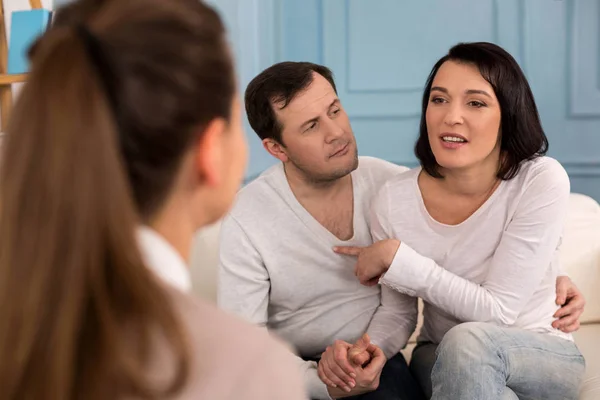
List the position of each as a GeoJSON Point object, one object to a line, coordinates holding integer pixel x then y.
{"type": "Point", "coordinates": [473, 181]}
{"type": "Point", "coordinates": [469, 182]}
{"type": "Point", "coordinates": [176, 226]}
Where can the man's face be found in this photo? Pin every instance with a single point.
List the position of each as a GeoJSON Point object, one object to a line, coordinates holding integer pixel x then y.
{"type": "Point", "coordinates": [316, 134]}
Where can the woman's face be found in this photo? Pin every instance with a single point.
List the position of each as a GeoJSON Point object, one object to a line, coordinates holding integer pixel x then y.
{"type": "Point", "coordinates": [234, 155]}
{"type": "Point", "coordinates": [463, 118]}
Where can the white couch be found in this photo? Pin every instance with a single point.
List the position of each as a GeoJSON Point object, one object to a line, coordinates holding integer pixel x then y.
{"type": "Point", "coordinates": [580, 256]}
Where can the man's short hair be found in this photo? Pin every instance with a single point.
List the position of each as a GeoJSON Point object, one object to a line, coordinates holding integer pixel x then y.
{"type": "Point", "coordinates": [278, 84]}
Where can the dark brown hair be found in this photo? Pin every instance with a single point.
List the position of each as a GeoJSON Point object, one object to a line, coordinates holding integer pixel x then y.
{"type": "Point", "coordinates": [279, 84]}
{"type": "Point", "coordinates": [89, 155]}
{"type": "Point", "coordinates": [522, 136]}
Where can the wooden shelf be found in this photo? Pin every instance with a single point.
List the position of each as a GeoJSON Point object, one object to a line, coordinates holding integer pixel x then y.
{"type": "Point", "coordinates": [7, 79]}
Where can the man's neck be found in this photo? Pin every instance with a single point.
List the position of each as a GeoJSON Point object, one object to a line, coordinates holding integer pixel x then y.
{"type": "Point", "coordinates": [305, 188]}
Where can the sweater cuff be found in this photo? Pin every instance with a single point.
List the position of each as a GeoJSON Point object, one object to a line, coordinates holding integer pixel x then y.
{"type": "Point", "coordinates": [314, 385]}
{"type": "Point", "coordinates": [388, 351]}
{"type": "Point", "coordinates": [407, 273]}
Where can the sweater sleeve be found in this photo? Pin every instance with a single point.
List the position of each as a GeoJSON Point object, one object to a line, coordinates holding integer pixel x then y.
{"type": "Point", "coordinates": [520, 262]}
{"type": "Point", "coordinates": [244, 287]}
{"type": "Point", "coordinates": [396, 317]}
{"type": "Point", "coordinates": [313, 385]}
{"type": "Point", "coordinates": [243, 281]}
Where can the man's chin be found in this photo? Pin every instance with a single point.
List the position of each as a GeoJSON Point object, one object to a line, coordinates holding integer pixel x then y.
{"type": "Point", "coordinates": [347, 169]}
{"type": "Point", "coordinates": [354, 162]}
{"type": "Point", "coordinates": [342, 172]}
{"type": "Point", "coordinates": [329, 176]}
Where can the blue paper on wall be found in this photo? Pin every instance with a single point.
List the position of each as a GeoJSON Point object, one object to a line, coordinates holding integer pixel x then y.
{"type": "Point", "coordinates": [25, 27]}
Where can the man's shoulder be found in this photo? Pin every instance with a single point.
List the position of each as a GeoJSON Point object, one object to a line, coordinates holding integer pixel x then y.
{"type": "Point", "coordinates": [402, 186]}
{"type": "Point", "coordinates": [375, 172]}
{"type": "Point", "coordinates": [373, 165]}
{"type": "Point", "coordinates": [259, 194]}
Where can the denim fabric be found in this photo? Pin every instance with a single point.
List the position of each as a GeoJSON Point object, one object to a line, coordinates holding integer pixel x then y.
{"type": "Point", "coordinates": [484, 361]}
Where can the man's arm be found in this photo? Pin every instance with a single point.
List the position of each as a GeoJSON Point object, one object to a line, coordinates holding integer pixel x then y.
{"type": "Point", "coordinates": [392, 324]}
{"type": "Point", "coordinates": [243, 289]}
{"type": "Point", "coordinates": [243, 281]}
{"type": "Point", "coordinates": [396, 317]}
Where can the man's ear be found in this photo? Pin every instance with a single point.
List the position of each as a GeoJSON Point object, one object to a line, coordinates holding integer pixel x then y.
{"type": "Point", "coordinates": [276, 149]}
{"type": "Point", "coordinates": [208, 152]}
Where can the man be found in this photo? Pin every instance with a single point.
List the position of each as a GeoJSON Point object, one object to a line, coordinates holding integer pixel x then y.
{"type": "Point", "coordinates": [277, 266]}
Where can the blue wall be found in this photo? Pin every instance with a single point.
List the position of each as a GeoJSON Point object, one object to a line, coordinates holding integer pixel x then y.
{"type": "Point", "coordinates": [382, 50]}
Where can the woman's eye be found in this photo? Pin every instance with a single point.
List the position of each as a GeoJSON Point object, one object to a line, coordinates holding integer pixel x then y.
{"type": "Point", "coordinates": [476, 104]}
{"type": "Point", "coordinates": [437, 100]}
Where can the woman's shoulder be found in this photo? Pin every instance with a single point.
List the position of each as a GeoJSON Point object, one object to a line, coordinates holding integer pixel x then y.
{"type": "Point", "coordinates": [213, 330]}
{"type": "Point", "coordinates": [230, 353]}
{"type": "Point", "coordinates": [539, 182]}
{"type": "Point", "coordinates": [543, 164]}
{"type": "Point", "coordinates": [543, 173]}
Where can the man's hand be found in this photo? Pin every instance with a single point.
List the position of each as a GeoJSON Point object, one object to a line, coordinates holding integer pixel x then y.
{"type": "Point", "coordinates": [367, 374]}
{"type": "Point", "coordinates": [572, 304]}
{"type": "Point", "coordinates": [372, 261]}
{"type": "Point", "coordinates": [335, 369]}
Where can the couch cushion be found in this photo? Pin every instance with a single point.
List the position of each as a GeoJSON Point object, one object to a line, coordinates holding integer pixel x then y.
{"type": "Point", "coordinates": [204, 262]}
{"type": "Point", "coordinates": [580, 252]}
{"type": "Point", "coordinates": [587, 341]}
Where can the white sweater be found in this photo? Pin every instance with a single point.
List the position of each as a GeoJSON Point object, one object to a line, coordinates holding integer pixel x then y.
{"type": "Point", "coordinates": [278, 269]}
{"type": "Point", "coordinates": [498, 266]}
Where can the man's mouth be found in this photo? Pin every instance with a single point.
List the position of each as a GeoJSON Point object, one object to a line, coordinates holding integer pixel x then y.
{"type": "Point", "coordinates": [341, 151]}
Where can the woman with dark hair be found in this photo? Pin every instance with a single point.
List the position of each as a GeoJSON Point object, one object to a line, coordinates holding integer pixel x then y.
{"type": "Point", "coordinates": [126, 139]}
{"type": "Point", "coordinates": [475, 232]}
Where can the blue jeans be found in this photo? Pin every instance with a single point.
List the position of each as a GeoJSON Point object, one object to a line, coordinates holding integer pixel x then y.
{"type": "Point", "coordinates": [395, 383]}
{"type": "Point", "coordinates": [483, 361]}
{"type": "Point", "coordinates": [421, 364]}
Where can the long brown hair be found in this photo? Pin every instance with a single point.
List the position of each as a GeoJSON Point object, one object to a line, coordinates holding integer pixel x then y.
{"type": "Point", "coordinates": [88, 157]}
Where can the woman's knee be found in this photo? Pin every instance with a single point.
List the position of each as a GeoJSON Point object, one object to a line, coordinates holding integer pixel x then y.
{"type": "Point", "coordinates": [469, 339]}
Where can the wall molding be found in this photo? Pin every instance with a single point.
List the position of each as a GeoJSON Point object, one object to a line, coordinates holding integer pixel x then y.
{"type": "Point", "coordinates": [494, 18]}
{"type": "Point", "coordinates": [582, 168]}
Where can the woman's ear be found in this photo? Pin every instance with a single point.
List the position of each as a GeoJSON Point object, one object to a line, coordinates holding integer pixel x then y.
{"type": "Point", "coordinates": [209, 152]}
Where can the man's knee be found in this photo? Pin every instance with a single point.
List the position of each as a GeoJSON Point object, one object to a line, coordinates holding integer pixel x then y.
{"type": "Point", "coordinates": [470, 340]}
